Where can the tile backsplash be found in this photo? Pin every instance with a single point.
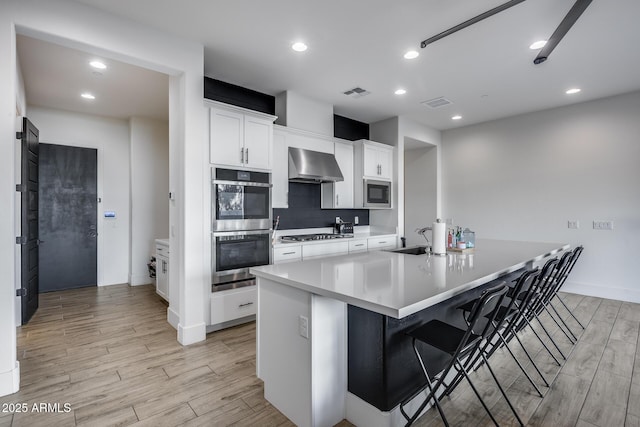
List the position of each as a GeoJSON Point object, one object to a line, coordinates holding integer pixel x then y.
{"type": "Point", "coordinates": [304, 210]}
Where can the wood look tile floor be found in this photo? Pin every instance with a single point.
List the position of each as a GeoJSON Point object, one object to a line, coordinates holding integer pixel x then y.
{"type": "Point", "coordinates": [110, 354]}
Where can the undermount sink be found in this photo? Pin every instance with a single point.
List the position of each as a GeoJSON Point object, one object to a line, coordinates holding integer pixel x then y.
{"type": "Point", "coordinates": [414, 250]}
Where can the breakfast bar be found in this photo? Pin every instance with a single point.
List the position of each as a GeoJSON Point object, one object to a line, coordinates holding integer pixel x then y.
{"type": "Point", "coordinates": [330, 331]}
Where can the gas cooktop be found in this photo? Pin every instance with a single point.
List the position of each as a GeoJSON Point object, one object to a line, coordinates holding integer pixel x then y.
{"type": "Point", "coordinates": [310, 237]}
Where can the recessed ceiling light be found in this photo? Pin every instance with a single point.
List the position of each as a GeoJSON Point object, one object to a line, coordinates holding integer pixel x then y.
{"type": "Point", "coordinates": [456, 117]}
{"type": "Point", "coordinates": [97, 64]}
{"type": "Point", "coordinates": [538, 45]}
{"type": "Point", "coordinates": [87, 95]}
{"type": "Point", "coordinates": [572, 91]}
{"type": "Point", "coordinates": [400, 92]}
{"type": "Point", "coordinates": [412, 54]}
{"type": "Point", "coordinates": [299, 47]}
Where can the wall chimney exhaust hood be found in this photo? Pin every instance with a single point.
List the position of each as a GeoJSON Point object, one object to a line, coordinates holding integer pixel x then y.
{"type": "Point", "coordinates": [313, 166]}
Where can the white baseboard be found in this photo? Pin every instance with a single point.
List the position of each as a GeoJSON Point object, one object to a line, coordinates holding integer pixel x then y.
{"type": "Point", "coordinates": [192, 334]}
{"type": "Point", "coordinates": [173, 318]}
{"type": "Point", "coordinates": [607, 292]}
{"type": "Point", "coordinates": [10, 381]}
{"type": "Point", "coordinates": [140, 279]}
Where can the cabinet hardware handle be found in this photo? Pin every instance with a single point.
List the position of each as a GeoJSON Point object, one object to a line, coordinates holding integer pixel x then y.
{"type": "Point", "coordinates": [337, 199]}
{"type": "Point", "coordinates": [288, 253]}
{"type": "Point", "coordinates": [242, 155]}
{"type": "Point", "coordinates": [164, 266]}
{"type": "Point", "coordinates": [361, 244]}
{"type": "Point", "coordinates": [246, 157]}
{"type": "Point", "coordinates": [245, 304]}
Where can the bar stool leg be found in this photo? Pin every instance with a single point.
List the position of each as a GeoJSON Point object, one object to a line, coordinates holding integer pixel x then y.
{"type": "Point", "coordinates": [563, 322]}
{"type": "Point", "coordinates": [541, 342]}
{"type": "Point", "coordinates": [473, 387]}
{"type": "Point", "coordinates": [502, 390]}
{"type": "Point", "coordinates": [549, 335]}
{"type": "Point", "coordinates": [531, 360]}
{"type": "Point", "coordinates": [559, 326]}
{"type": "Point", "coordinates": [432, 392]}
{"type": "Point", "coordinates": [526, 374]}
{"type": "Point", "coordinates": [567, 308]}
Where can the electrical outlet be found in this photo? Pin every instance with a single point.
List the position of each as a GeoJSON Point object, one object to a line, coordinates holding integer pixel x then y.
{"type": "Point", "coordinates": [603, 225]}
{"type": "Point", "coordinates": [356, 220]}
{"type": "Point", "coordinates": [575, 224]}
{"type": "Point", "coordinates": [303, 326]}
{"type": "Point", "coordinates": [338, 220]}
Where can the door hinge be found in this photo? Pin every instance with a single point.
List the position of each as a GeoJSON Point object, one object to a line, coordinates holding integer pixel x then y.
{"type": "Point", "coordinates": [21, 188]}
{"type": "Point", "coordinates": [19, 135]}
{"type": "Point", "coordinates": [21, 240]}
{"type": "Point", "coordinates": [22, 292]}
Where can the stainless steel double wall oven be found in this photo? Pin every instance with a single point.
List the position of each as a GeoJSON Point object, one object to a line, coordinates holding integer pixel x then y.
{"type": "Point", "coordinates": [241, 228]}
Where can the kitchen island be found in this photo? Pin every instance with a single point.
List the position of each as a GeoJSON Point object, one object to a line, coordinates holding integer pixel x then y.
{"type": "Point", "coordinates": [330, 331]}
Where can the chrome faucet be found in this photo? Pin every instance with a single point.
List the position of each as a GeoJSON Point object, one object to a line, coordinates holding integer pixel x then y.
{"type": "Point", "coordinates": [422, 231]}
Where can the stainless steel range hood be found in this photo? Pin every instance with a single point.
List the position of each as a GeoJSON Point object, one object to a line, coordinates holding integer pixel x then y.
{"type": "Point", "coordinates": [313, 166]}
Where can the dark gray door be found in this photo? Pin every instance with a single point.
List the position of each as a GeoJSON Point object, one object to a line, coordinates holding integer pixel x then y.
{"type": "Point", "coordinates": [29, 220]}
{"type": "Point", "coordinates": [68, 217]}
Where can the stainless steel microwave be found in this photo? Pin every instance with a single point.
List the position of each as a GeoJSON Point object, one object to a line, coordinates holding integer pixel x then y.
{"type": "Point", "coordinates": [377, 194]}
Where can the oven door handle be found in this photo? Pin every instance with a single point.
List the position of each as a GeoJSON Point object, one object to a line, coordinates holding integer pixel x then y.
{"type": "Point", "coordinates": [241, 233]}
{"type": "Point", "coordinates": [242, 183]}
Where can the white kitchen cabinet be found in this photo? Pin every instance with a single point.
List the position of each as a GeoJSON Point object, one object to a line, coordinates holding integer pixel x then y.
{"type": "Point", "coordinates": [357, 245]}
{"type": "Point", "coordinates": [324, 249]}
{"type": "Point", "coordinates": [162, 269]}
{"type": "Point", "coordinates": [287, 253]}
{"type": "Point", "coordinates": [373, 160]}
{"type": "Point", "coordinates": [280, 173]}
{"type": "Point", "coordinates": [233, 304]}
{"type": "Point", "coordinates": [339, 195]}
{"type": "Point", "coordinates": [239, 138]}
{"type": "Point", "coordinates": [381, 243]}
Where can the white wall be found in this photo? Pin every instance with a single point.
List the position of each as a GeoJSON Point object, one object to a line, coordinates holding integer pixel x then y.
{"type": "Point", "coordinates": [83, 27]}
{"type": "Point", "coordinates": [420, 178]}
{"type": "Point", "coordinates": [111, 138]}
{"type": "Point", "coordinates": [149, 141]}
{"type": "Point", "coordinates": [523, 177]}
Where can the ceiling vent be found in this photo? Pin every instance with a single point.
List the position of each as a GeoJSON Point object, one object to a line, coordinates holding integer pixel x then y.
{"type": "Point", "coordinates": [357, 92]}
{"type": "Point", "coordinates": [436, 102]}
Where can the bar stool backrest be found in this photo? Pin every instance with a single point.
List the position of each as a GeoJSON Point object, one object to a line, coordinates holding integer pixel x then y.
{"type": "Point", "coordinates": [540, 287]}
{"type": "Point", "coordinates": [485, 307]}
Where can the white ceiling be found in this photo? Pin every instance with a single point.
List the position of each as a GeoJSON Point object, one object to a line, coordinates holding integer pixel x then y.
{"type": "Point", "coordinates": [487, 70]}
{"type": "Point", "coordinates": [55, 76]}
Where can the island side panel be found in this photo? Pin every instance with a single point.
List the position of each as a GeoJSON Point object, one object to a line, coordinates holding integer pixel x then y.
{"type": "Point", "coordinates": [285, 356]}
{"type": "Point", "coordinates": [383, 368]}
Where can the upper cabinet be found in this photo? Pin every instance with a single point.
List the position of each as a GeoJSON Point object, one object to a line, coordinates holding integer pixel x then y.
{"type": "Point", "coordinates": [240, 138]}
{"type": "Point", "coordinates": [339, 195]}
{"type": "Point", "coordinates": [376, 160]}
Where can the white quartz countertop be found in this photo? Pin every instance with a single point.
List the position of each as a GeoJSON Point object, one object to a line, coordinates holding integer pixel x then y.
{"type": "Point", "coordinates": [398, 285]}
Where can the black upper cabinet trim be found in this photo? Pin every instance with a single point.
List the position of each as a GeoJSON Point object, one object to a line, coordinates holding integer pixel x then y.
{"type": "Point", "coordinates": [239, 96]}
{"type": "Point", "coordinates": [349, 129]}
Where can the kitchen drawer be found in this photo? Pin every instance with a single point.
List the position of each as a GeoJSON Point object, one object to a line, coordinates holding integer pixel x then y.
{"type": "Point", "coordinates": [377, 243]}
{"type": "Point", "coordinates": [233, 304]}
{"type": "Point", "coordinates": [287, 253]}
{"type": "Point", "coordinates": [162, 250]}
{"type": "Point", "coordinates": [358, 245]}
{"type": "Point", "coordinates": [325, 249]}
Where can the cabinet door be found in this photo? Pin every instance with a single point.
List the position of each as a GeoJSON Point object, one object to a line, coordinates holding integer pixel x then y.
{"type": "Point", "coordinates": [385, 160]}
{"type": "Point", "coordinates": [162, 277]}
{"type": "Point", "coordinates": [370, 161]}
{"type": "Point", "coordinates": [226, 138]}
{"type": "Point", "coordinates": [280, 173]}
{"type": "Point", "coordinates": [258, 135]}
{"type": "Point", "coordinates": [343, 190]}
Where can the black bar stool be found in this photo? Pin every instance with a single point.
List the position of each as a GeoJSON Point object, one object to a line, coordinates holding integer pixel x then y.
{"type": "Point", "coordinates": [458, 344]}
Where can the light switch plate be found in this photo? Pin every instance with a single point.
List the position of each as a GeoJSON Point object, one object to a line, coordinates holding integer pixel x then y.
{"type": "Point", "coordinates": [303, 326]}
{"type": "Point", "coordinates": [603, 225]}
{"type": "Point", "coordinates": [573, 223]}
